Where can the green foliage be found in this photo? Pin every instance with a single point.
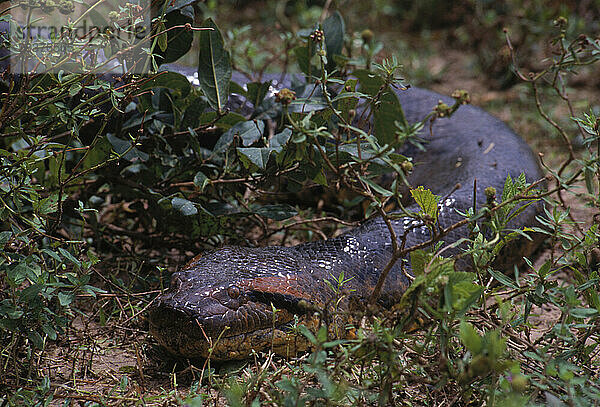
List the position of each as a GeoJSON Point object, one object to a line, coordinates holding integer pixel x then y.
{"type": "Point", "coordinates": [49, 151]}
{"type": "Point", "coordinates": [214, 66]}
{"type": "Point", "coordinates": [427, 201]}
{"type": "Point", "coordinates": [41, 273]}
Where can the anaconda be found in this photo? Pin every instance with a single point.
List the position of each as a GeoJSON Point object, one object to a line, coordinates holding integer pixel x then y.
{"type": "Point", "coordinates": [221, 304]}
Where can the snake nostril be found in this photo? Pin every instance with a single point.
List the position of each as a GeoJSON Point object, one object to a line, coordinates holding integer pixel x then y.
{"type": "Point", "coordinates": [233, 292]}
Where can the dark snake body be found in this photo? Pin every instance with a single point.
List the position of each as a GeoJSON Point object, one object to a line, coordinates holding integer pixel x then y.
{"type": "Point", "coordinates": [237, 287]}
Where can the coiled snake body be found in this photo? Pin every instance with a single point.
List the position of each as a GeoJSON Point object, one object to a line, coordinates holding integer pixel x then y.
{"type": "Point", "coordinates": [239, 287]}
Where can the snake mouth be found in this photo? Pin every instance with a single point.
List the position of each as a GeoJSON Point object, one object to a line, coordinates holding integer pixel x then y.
{"type": "Point", "coordinates": [229, 321]}
{"type": "Point", "coordinates": [221, 333]}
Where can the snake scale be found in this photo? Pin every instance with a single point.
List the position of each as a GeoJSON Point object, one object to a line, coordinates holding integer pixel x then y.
{"type": "Point", "coordinates": [221, 304]}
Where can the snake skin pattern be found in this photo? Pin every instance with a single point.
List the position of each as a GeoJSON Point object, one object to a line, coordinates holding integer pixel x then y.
{"type": "Point", "coordinates": [221, 304]}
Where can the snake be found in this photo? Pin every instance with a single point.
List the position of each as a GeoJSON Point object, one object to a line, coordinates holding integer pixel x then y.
{"type": "Point", "coordinates": [228, 303]}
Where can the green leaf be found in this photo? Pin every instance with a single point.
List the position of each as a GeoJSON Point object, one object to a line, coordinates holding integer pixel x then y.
{"type": "Point", "coordinates": [235, 87]}
{"type": "Point", "coordinates": [74, 89]}
{"type": "Point", "coordinates": [501, 278]}
{"type": "Point", "coordinates": [378, 188]}
{"type": "Point", "coordinates": [163, 37]}
{"type": "Point", "coordinates": [512, 187]}
{"type": "Point", "coordinates": [214, 66]}
{"type": "Point", "coordinates": [255, 156]}
{"type": "Point", "coordinates": [437, 268]}
{"type": "Point", "coordinates": [308, 334]}
{"type": "Point", "coordinates": [36, 339]}
{"type": "Point", "coordinates": [57, 169]}
{"type": "Point", "coordinates": [65, 299]}
{"type": "Point", "coordinates": [305, 56]}
{"type": "Point", "coordinates": [322, 334]}
{"type": "Point", "coordinates": [223, 122]}
{"type": "Point", "coordinates": [67, 255]}
{"type": "Point", "coordinates": [418, 260]}
{"type": "Point", "coordinates": [320, 178]}
{"type": "Point", "coordinates": [589, 176]}
{"type": "Point", "coordinates": [348, 100]}
{"type": "Point", "coordinates": [50, 331]}
{"type": "Point", "coordinates": [495, 344]}
{"type": "Point", "coordinates": [257, 92]}
{"type": "Point", "coordinates": [279, 140]}
{"type": "Point", "coordinates": [276, 212]}
{"type": "Point", "coordinates": [470, 338]}
{"type": "Point", "coordinates": [250, 131]}
{"type": "Point", "coordinates": [179, 40]}
{"type": "Point", "coordinates": [124, 148]}
{"type": "Point", "coordinates": [334, 343]}
{"type": "Point", "coordinates": [287, 385]}
{"type": "Point", "coordinates": [427, 201]}
{"type": "Point", "coordinates": [47, 205]}
{"type": "Point", "coordinates": [333, 28]}
{"type": "Point", "coordinates": [201, 180]}
{"type": "Point", "coordinates": [583, 312]}
{"type": "Point", "coordinates": [534, 356]}
{"type": "Point", "coordinates": [387, 112]}
{"type": "Point", "coordinates": [545, 269]}
{"type": "Point", "coordinates": [52, 254]}
{"type": "Point", "coordinates": [169, 80]}
{"type": "Point", "coordinates": [4, 238]}
{"type": "Point", "coordinates": [99, 153]}
{"type": "Point", "coordinates": [192, 114]}
{"type": "Point", "coordinates": [183, 206]}
{"type": "Point", "coordinates": [30, 293]}
{"type": "Point", "coordinates": [123, 383]}
{"type": "Point", "coordinates": [460, 292]}
{"type": "Point", "coordinates": [8, 310]}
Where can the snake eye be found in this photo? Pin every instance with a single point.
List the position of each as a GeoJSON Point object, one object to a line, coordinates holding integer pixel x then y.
{"type": "Point", "coordinates": [233, 292]}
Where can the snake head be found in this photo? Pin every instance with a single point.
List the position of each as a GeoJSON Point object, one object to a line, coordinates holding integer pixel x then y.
{"type": "Point", "coordinates": [230, 301]}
